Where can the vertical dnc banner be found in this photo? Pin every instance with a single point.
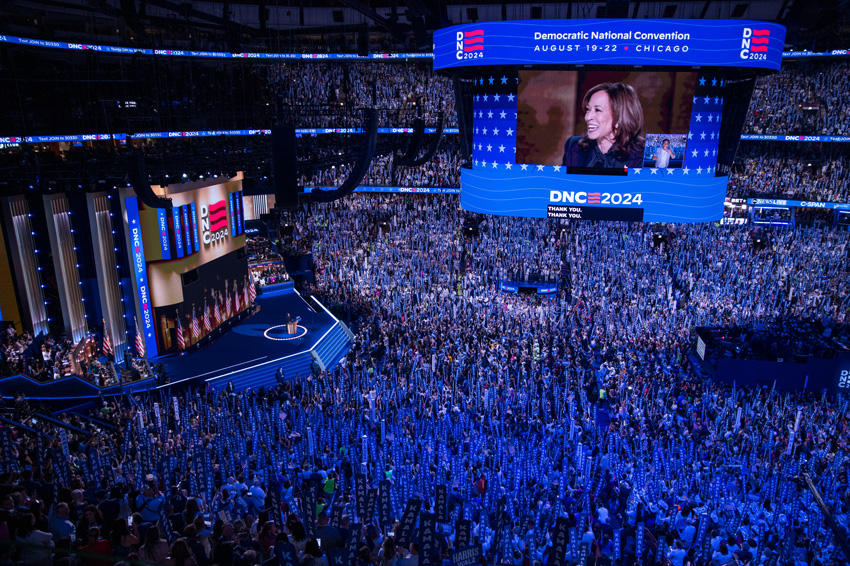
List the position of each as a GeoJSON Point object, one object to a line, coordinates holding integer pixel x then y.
{"type": "Point", "coordinates": [240, 219]}
{"type": "Point", "coordinates": [232, 215]}
{"type": "Point", "coordinates": [162, 224]}
{"type": "Point", "coordinates": [178, 233]}
{"type": "Point", "coordinates": [194, 215]}
{"type": "Point", "coordinates": [140, 274]}
{"type": "Point", "coordinates": [187, 230]}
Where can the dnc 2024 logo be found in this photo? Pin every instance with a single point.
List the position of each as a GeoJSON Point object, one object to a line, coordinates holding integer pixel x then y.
{"type": "Point", "coordinates": [844, 379]}
{"type": "Point", "coordinates": [754, 43]}
{"type": "Point", "coordinates": [470, 44]}
{"type": "Point", "coordinates": [214, 222]}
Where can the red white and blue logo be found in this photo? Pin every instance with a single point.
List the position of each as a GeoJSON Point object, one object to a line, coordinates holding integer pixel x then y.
{"type": "Point", "coordinates": [214, 222]}
{"type": "Point", "coordinates": [754, 43]}
{"type": "Point", "coordinates": [470, 44]}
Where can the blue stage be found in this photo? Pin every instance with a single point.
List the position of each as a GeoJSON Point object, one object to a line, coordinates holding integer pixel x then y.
{"type": "Point", "coordinates": [250, 353]}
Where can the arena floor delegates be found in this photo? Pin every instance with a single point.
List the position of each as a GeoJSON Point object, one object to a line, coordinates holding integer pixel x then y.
{"type": "Point", "coordinates": [515, 424]}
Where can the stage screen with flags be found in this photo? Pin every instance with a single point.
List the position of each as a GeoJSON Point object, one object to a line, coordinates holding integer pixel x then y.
{"type": "Point", "coordinates": [189, 261]}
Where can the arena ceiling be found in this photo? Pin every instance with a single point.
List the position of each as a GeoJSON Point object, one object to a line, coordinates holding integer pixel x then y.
{"type": "Point", "coordinates": [821, 24]}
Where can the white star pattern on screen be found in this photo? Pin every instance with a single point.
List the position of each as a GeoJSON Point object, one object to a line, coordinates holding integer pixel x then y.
{"type": "Point", "coordinates": [494, 129]}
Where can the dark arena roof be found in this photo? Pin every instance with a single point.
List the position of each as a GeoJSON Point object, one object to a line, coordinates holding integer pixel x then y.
{"type": "Point", "coordinates": [381, 283]}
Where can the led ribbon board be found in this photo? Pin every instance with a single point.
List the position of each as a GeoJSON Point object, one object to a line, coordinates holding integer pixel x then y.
{"type": "Point", "coordinates": [716, 43]}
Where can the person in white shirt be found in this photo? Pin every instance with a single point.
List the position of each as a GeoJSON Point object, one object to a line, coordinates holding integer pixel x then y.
{"type": "Point", "coordinates": [663, 154]}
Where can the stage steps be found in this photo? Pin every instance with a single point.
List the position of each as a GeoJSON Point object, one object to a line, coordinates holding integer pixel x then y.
{"type": "Point", "coordinates": [330, 349]}
{"type": "Point", "coordinates": [264, 375]}
{"type": "Point", "coordinates": [334, 346]}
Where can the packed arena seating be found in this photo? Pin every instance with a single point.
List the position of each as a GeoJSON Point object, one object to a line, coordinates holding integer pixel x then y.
{"type": "Point", "coordinates": [527, 409]}
{"type": "Point", "coordinates": [185, 94]}
{"type": "Point", "coordinates": [442, 170]}
{"type": "Point", "coordinates": [803, 98]}
{"type": "Point", "coordinates": [791, 171]}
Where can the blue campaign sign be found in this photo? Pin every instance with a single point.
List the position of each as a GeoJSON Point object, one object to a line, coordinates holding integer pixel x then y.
{"type": "Point", "coordinates": [715, 43]}
{"type": "Point", "coordinates": [648, 195]}
{"type": "Point", "coordinates": [178, 232]}
{"type": "Point", "coordinates": [194, 216]}
{"type": "Point", "coordinates": [162, 222]}
{"type": "Point", "coordinates": [202, 134]}
{"type": "Point", "coordinates": [140, 275]}
{"type": "Point", "coordinates": [187, 230]}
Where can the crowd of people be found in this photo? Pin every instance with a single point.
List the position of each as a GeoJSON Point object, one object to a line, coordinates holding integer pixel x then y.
{"type": "Point", "coordinates": [539, 430]}
{"type": "Point", "coordinates": [791, 172]}
{"type": "Point", "coordinates": [803, 98]}
{"type": "Point", "coordinates": [379, 174]}
{"type": "Point", "coordinates": [261, 249]}
{"type": "Point", "coordinates": [44, 358]}
{"type": "Point", "coordinates": [442, 170]}
{"type": "Point", "coordinates": [325, 90]}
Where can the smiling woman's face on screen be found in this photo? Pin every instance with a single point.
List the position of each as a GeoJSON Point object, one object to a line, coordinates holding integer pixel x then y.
{"type": "Point", "coordinates": [600, 120]}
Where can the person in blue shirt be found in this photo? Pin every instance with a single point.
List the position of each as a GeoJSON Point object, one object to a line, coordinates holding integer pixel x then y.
{"type": "Point", "coordinates": [60, 523]}
{"type": "Point", "coordinates": [148, 503]}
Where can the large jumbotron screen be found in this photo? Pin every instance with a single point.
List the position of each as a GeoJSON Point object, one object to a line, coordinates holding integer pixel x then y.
{"type": "Point", "coordinates": [602, 119]}
{"type": "Point", "coordinates": [189, 261]}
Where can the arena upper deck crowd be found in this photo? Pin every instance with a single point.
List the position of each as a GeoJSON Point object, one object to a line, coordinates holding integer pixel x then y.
{"type": "Point", "coordinates": [803, 98]}
{"type": "Point", "coordinates": [792, 171]}
{"type": "Point", "coordinates": [528, 410]}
